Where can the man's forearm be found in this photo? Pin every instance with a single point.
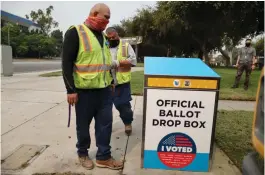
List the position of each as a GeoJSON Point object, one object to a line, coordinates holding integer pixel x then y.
{"type": "Point", "coordinates": [127, 62]}
{"type": "Point", "coordinates": [67, 71]}
{"type": "Point", "coordinates": [132, 60]}
{"type": "Point", "coordinates": [69, 54]}
{"type": "Point", "coordinates": [253, 60]}
{"type": "Point", "coordinates": [237, 61]}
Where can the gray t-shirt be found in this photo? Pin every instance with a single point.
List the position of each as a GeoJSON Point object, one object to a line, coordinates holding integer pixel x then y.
{"type": "Point", "coordinates": [246, 54]}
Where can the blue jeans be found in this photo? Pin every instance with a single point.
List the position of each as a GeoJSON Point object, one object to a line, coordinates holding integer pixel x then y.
{"type": "Point", "coordinates": [95, 103]}
{"type": "Point", "coordinates": [121, 100]}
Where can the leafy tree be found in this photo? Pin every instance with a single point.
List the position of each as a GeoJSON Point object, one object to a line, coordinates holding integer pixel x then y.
{"type": "Point", "coordinates": [47, 46]}
{"type": "Point", "coordinates": [34, 43]}
{"type": "Point", "coordinates": [16, 38]}
{"type": "Point", "coordinates": [14, 31]}
{"type": "Point", "coordinates": [208, 23]}
{"type": "Point", "coordinates": [259, 46]}
{"type": "Point", "coordinates": [120, 30]}
{"type": "Point", "coordinates": [44, 19]}
{"type": "Point", "coordinates": [22, 49]}
{"type": "Point", "coordinates": [58, 36]}
{"type": "Point", "coordinates": [141, 25]}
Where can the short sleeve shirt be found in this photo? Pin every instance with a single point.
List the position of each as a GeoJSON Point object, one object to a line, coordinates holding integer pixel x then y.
{"type": "Point", "coordinates": [246, 54]}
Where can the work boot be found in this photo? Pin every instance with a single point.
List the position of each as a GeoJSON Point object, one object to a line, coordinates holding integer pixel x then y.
{"type": "Point", "coordinates": [110, 163]}
{"type": "Point", "coordinates": [128, 129]}
{"type": "Point", "coordinates": [234, 87]}
{"type": "Point", "coordinates": [86, 162]}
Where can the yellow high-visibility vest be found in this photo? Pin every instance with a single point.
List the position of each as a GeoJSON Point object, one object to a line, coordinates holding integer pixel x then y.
{"type": "Point", "coordinates": [123, 75]}
{"type": "Point", "coordinates": [93, 63]}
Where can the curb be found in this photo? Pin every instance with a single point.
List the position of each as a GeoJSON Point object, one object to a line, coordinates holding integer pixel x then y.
{"type": "Point", "coordinates": [37, 73]}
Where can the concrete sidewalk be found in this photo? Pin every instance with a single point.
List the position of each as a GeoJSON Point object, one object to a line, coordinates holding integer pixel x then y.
{"type": "Point", "coordinates": [34, 112]}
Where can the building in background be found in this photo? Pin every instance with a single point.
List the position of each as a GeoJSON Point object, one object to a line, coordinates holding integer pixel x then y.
{"type": "Point", "coordinates": [22, 22]}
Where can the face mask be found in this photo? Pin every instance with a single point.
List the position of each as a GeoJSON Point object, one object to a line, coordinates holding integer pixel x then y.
{"type": "Point", "coordinates": [114, 43]}
{"type": "Point", "coordinates": [247, 44]}
{"type": "Point", "coordinates": [97, 23]}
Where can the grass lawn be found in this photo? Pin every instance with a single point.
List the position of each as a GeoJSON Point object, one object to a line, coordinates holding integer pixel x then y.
{"type": "Point", "coordinates": [233, 135]}
{"type": "Point", "coordinates": [228, 77]}
{"type": "Point", "coordinates": [226, 93]}
{"type": "Point", "coordinates": [137, 83]}
{"type": "Point", "coordinates": [140, 65]}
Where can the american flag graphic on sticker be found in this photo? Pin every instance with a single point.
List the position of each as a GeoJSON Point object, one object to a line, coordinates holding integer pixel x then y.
{"type": "Point", "coordinates": [176, 150]}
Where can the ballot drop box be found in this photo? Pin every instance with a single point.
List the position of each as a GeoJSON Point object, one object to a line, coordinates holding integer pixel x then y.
{"type": "Point", "coordinates": [180, 108]}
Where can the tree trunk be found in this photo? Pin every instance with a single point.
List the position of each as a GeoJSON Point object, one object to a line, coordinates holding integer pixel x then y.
{"type": "Point", "coordinates": [206, 57]}
{"type": "Point", "coordinates": [200, 55]}
{"type": "Point", "coordinates": [226, 56]}
{"type": "Point", "coordinates": [169, 51]}
{"type": "Point", "coordinates": [205, 54]}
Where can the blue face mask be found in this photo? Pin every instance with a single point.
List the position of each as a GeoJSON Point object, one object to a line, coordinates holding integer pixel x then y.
{"type": "Point", "coordinates": [114, 43]}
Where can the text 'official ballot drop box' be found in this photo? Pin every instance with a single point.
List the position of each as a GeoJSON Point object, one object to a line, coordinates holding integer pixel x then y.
{"type": "Point", "coordinates": [180, 108]}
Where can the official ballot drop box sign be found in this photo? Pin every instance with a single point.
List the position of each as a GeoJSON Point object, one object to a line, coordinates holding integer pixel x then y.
{"type": "Point", "coordinates": [180, 108]}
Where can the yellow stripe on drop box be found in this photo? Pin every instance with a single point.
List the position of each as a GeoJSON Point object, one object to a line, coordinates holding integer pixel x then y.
{"type": "Point", "coordinates": [182, 83]}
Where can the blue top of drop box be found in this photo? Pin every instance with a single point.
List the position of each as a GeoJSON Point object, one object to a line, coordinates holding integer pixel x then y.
{"type": "Point", "coordinates": [186, 67]}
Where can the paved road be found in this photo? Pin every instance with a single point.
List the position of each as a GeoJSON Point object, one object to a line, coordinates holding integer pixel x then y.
{"type": "Point", "coordinates": [38, 66]}
{"type": "Point", "coordinates": [35, 66]}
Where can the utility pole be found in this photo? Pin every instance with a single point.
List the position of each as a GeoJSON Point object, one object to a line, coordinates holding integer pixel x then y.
{"type": "Point", "coordinates": [8, 33]}
{"type": "Point", "coordinates": [8, 36]}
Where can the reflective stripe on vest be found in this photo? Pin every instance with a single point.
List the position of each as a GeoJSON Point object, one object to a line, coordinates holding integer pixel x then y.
{"type": "Point", "coordinates": [123, 74]}
{"type": "Point", "coordinates": [124, 50]}
{"type": "Point", "coordinates": [85, 39]}
{"type": "Point", "coordinates": [91, 68]}
{"type": "Point", "coordinates": [124, 53]}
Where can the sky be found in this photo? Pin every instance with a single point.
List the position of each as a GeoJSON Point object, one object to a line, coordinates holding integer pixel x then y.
{"type": "Point", "coordinates": [69, 13]}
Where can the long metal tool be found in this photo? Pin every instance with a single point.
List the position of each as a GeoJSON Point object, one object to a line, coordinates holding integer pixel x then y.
{"type": "Point", "coordinates": [69, 117]}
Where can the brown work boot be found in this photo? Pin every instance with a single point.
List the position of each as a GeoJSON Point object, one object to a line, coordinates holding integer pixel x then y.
{"type": "Point", "coordinates": [234, 86]}
{"type": "Point", "coordinates": [245, 88]}
{"type": "Point", "coordinates": [86, 162]}
{"type": "Point", "coordinates": [110, 163]}
{"type": "Point", "coordinates": [128, 129]}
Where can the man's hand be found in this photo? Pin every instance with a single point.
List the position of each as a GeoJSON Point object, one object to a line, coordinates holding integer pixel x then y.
{"type": "Point", "coordinates": [72, 98]}
{"type": "Point", "coordinates": [253, 66]}
{"type": "Point", "coordinates": [113, 89]}
{"type": "Point", "coordinates": [114, 64]}
{"type": "Point", "coordinates": [125, 63]}
{"type": "Point", "coordinates": [236, 65]}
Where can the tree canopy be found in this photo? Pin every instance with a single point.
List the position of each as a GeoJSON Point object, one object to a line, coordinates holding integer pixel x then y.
{"type": "Point", "coordinates": [186, 28]}
{"type": "Point", "coordinates": [259, 46]}
{"type": "Point", "coordinates": [46, 42]}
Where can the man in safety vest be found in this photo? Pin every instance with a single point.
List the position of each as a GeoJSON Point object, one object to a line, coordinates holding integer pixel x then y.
{"type": "Point", "coordinates": [86, 64]}
{"type": "Point", "coordinates": [122, 52]}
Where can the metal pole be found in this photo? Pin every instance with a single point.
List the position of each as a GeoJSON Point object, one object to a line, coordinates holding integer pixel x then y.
{"type": "Point", "coordinates": [8, 38]}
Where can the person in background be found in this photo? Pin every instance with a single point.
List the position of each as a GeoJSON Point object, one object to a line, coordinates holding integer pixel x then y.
{"type": "Point", "coordinates": [123, 53]}
{"type": "Point", "coordinates": [245, 62]}
{"type": "Point", "coordinates": [86, 64]}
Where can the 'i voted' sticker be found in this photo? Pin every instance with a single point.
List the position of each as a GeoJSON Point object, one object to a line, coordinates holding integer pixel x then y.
{"type": "Point", "coordinates": [176, 150]}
